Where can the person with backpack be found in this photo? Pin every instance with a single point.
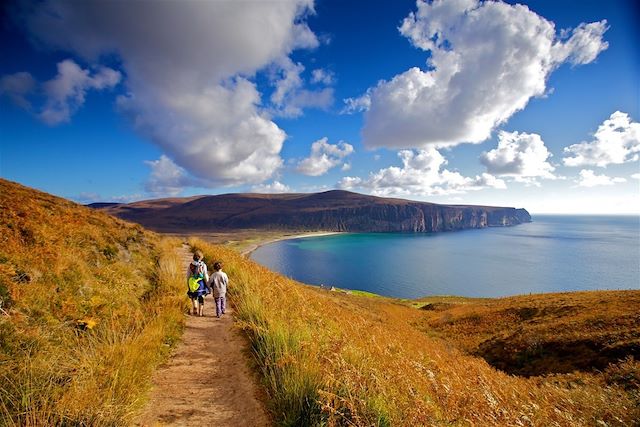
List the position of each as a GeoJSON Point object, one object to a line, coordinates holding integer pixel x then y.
{"type": "Point", "coordinates": [219, 282]}
{"type": "Point", "coordinates": [197, 283]}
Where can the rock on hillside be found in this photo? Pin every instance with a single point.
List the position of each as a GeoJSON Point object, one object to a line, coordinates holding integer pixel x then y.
{"type": "Point", "coordinates": [331, 210]}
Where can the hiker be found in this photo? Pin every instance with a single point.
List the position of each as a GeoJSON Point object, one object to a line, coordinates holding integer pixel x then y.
{"type": "Point", "coordinates": [197, 282]}
{"type": "Point", "coordinates": [218, 283]}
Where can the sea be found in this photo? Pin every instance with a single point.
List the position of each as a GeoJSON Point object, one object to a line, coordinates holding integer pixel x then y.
{"type": "Point", "coordinates": [554, 253]}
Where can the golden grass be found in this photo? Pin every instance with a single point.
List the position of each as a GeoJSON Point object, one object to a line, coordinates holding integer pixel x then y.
{"type": "Point", "coordinates": [90, 306]}
{"type": "Point", "coordinates": [330, 358]}
{"type": "Point", "coordinates": [542, 334]}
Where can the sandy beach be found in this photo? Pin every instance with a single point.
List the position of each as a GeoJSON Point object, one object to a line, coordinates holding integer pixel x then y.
{"type": "Point", "coordinates": [247, 251]}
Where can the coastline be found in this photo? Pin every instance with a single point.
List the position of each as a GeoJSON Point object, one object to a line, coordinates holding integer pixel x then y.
{"type": "Point", "coordinates": [247, 252]}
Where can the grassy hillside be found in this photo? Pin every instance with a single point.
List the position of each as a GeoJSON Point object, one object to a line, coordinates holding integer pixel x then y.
{"type": "Point", "coordinates": [331, 358]}
{"type": "Point", "coordinates": [89, 305]}
{"type": "Point", "coordinates": [542, 334]}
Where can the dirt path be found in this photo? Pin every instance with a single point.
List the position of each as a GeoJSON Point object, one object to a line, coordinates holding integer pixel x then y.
{"type": "Point", "coordinates": [207, 381]}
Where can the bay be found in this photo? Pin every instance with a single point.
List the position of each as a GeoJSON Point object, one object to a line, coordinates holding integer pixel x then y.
{"type": "Point", "coordinates": [550, 254]}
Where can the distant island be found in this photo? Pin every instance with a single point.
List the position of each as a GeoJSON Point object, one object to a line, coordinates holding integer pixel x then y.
{"type": "Point", "coordinates": [334, 210]}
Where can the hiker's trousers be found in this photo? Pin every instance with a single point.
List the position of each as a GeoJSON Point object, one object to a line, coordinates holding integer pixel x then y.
{"type": "Point", "coordinates": [220, 305]}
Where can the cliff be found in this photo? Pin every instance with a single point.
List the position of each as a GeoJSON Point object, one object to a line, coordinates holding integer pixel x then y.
{"type": "Point", "coordinates": [332, 210]}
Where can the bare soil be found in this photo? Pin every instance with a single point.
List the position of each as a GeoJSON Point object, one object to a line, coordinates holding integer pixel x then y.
{"type": "Point", "coordinates": [208, 380]}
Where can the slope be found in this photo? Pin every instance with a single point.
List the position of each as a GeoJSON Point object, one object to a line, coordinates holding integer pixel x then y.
{"type": "Point", "coordinates": [542, 334]}
{"type": "Point", "coordinates": [90, 305]}
{"type": "Point", "coordinates": [333, 358]}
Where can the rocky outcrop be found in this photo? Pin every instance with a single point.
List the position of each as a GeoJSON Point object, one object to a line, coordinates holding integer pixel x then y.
{"type": "Point", "coordinates": [331, 211]}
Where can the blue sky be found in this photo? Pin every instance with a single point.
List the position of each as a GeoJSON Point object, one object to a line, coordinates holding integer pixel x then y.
{"type": "Point", "coordinates": [529, 104]}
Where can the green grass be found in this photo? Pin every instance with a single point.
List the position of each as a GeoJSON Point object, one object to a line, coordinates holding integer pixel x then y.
{"type": "Point", "coordinates": [363, 293]}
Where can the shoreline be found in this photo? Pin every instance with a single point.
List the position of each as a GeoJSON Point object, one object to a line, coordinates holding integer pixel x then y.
{"type": "Point", "coordinates": [247, 252]}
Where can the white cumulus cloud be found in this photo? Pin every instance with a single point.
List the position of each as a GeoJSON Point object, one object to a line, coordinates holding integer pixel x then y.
{"type": "Point", "coordinates": [589, 178]}
{"type": "Point", "coordinates": [320, 75]}
{"type": "Point", "coordinates": [324, 156]}
{"type": "Point", "coordinates": [166, 178]}
{"type": "Point", "coordinates": [274, 187]}
{"type": "Point", "coordinates": [616, 141]}
{"type": "Point", "coordinates": [487, 60]}
{"type": "Point", "coordinates": [520, 156]}
{"type": "Point", "coordinates": [358, 104]}
{"type": "Point", "coordinates": [61, 96]}
{"type": "Point", "coordinates": [583, 45]}
{"type": "Point", "coordinates": [90, 197]}
{"type": "Point", "coordinates": [188, 66]}
{"type": "Point", "coordinates": [287, 79]}
{"type": "Point", "coordinates": [421, 174]}
{"type": "Point", "coordinates": [289, 97]}
{"type": "Point", "coordinates": [66, 91]}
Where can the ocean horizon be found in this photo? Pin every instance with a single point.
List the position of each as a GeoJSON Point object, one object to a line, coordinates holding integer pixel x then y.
{"type": "Point", "coordinates": [553, 253]}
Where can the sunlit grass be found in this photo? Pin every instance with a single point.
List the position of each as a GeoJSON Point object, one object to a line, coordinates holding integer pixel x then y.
{"type": "Point", "coordinates": [91, 306]}
{"type": "Point", "coordinates": [336, 358]}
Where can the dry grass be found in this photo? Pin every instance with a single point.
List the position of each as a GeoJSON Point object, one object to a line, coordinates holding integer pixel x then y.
{"type": "Point", "coordinates": [330, 358]}
{"type": "Point", "coordinates": [542, 334]}
{"type": "Point", "coordinates": [90, 306]}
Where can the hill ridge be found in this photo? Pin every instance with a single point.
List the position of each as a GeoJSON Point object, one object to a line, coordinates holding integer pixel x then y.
{"type": "Point", "coordinates": [333, 210]}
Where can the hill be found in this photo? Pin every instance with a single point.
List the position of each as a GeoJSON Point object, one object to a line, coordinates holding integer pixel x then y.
{"type": "Point", "coordinates": [89, 305]}
{"type": "Point", "coordinates": [330, 211]}
{"type": "Point", "coordinates": [541, 334]}
{"type": "Point", "coordinates": [339, 358]}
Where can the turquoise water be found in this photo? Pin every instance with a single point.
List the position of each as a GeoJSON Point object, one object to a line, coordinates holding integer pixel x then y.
{"type": "Point", "coordinates": [551, 254]}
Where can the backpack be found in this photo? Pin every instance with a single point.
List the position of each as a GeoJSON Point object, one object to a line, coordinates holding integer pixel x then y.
{"type": "Point", "coordinates": [197, 270]}
{"type": "Point", "coordinates": [194, 283]}
{"type": "Point", "coordinates": [197, 275]}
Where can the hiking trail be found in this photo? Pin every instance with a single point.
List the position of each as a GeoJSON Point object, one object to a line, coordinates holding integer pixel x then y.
{"type": "Point", "coordinates": [207, 380]}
